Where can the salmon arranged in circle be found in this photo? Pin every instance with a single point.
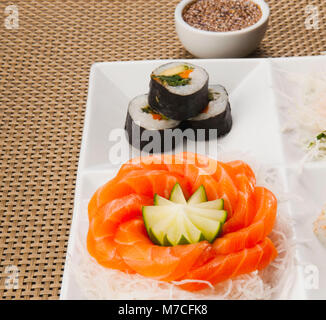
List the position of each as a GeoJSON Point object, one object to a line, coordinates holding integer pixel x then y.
{"type": "Point", "coordinates": [117, 237]}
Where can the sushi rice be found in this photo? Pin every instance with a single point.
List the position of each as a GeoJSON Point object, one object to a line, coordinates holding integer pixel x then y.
{"type": "Point", "coordinates": [146, 130]}
{"type": "Point", "coordinates": [146, 120]}
{"type": "Point", "coordinates": [216, 119]}
{"type": "Point", "coordinates": [219, 100]}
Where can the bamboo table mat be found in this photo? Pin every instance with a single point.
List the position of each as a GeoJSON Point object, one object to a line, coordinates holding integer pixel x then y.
{"type": "Point", "coordinates": [45, 64]}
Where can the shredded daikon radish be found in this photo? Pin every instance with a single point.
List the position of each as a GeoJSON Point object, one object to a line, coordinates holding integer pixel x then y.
{"type": "Point", "coordinates": [305, 110]}
{"type": "Point", "coordinates": [274, 282]}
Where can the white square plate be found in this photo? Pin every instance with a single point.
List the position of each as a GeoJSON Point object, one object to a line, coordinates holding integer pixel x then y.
{"type": "Point", "coordinates": [256, 130]}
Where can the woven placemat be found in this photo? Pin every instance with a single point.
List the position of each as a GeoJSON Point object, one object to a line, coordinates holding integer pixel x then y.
{"type": "Point", "coordinates": [44, 72]}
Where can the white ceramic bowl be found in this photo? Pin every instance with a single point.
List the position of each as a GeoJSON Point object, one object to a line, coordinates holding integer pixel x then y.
{"type": "Point", "coordinates": [232, 44]}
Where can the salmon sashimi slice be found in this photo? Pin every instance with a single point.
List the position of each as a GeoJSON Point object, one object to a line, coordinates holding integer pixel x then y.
{"type": "Point", "coordinates": [105, 222]}
{"type": "Point", "coordinates": [261, 226]}
{"type": "Point", "coordinates": [173, 165]}
{"type": "Point", "coordinates": [226, 187]}
{"type": "Point", "coordinates": [110, 191]}
{"type": "Point", "coordinates": [200, 161]}
{"type": "Point", "coordinates": [99, 197]}
{"type": "Point", "coordinates": [105, 253]}
{"type": "Point", "coordinates": [155, 162]}
{"type": "Point", "coordinates": [227, 191]}
{"type": "Point", "coordinates": [103, 226]}
{"type": "Point", "coordinates": [151, 182]}
{"type": "Point", "coordinates": [149, 260]}
{"type": "Point", "coordinates": [224, 267]}
{"type": "Point", "coordinates": [244, 212]}
{"type": "Point", "coordinates": [206, 256]}
{"type": "Point", "coordinates": [238, 167]}
{"type": "Point", "coordinates": [210, 185]}
{"type": "Point", "coordinates": [143, 182]}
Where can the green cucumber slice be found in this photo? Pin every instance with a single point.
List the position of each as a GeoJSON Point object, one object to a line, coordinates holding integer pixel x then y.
{"type": "Point", "coordinates": [168, 243]}
{"type": "Point", "coordinates": [176, 221]}
{"type": "Point", "coordinates": [170, 228]}
{"type": "Point", "coordinates": [160, 201]}
{"type": "Point", "coordinates": [177, 194]}
{"type": "Point", "coordinates": [183, 231]}
{"type": "Point", "coordinates": [152, 236]}
{"type": "Point", "coordinates": [217, 204]}
{"type": "Point", "coordinates": [159, 229]}
{"type": "Point", "coordinates": [217, 215]}
{"type": "Point", "coordinates": [194, 234]}
{"type": "Point", "coordinates": [198, 196]}
{"type": "Point", "coordinates": [177, 232]}
{"type": "Point", "coordinates": [154, 214]}
{"type": "Point", "coordinates": [156, 217]}
{"type": "Point", "coordinates": [210, 228]}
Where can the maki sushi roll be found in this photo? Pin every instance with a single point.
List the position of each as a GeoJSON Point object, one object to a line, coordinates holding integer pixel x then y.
{"type": "Point", "coordinates": [215, 120]}
{"type": "Point", "coordinates": [178, 90]}
{"type": "Point", "coordinates": [146, 128]}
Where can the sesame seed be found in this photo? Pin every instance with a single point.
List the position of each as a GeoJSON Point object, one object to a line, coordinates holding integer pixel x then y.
{"type": "Point", "coordinates": [222, 15]}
